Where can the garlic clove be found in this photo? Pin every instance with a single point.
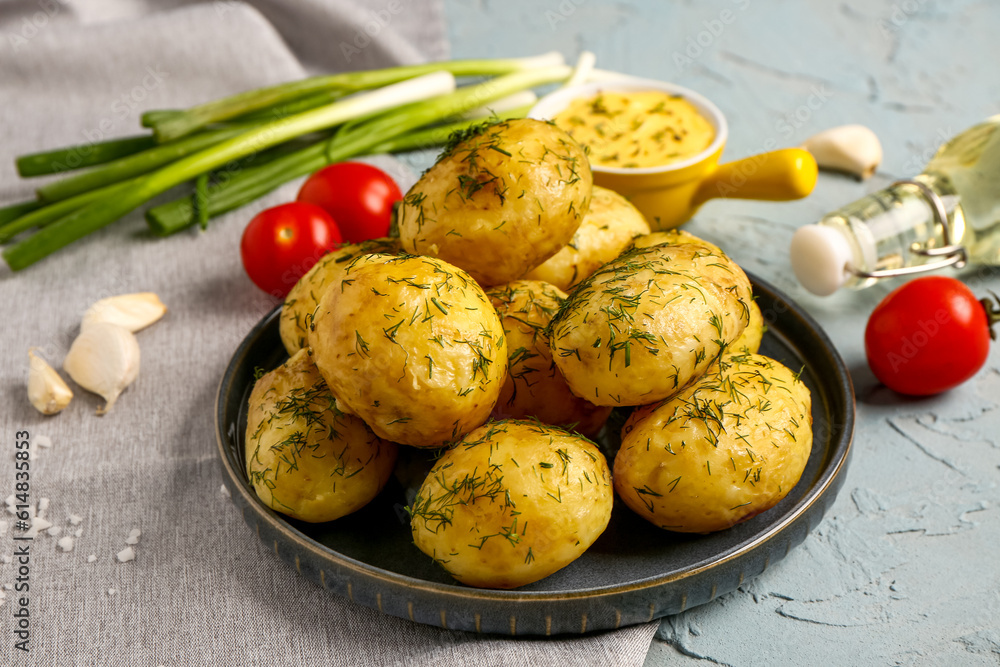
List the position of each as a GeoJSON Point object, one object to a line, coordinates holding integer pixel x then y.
{"type": "Point", "coordinates": [131, 311]}
{"type": "Point", "coordinates": [48, 392]}
{"type": "Point", "coordinates": [103, 359]}
{"type": "Point", "coordinates": [850, 148]}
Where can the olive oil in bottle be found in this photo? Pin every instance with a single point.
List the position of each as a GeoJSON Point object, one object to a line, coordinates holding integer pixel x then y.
{"type": "Point", "coordinates": [949, 215]}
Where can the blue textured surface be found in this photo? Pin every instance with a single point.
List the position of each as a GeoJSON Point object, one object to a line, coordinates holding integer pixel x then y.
{"type": "Point", "coordinates": [905, 570]}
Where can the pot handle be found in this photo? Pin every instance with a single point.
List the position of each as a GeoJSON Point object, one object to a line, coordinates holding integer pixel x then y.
{"type": "Point", "coordinates": [782, 175]}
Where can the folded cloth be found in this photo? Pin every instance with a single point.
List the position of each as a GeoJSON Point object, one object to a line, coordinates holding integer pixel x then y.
{"type": "Point", "coordinates": [201, 589]}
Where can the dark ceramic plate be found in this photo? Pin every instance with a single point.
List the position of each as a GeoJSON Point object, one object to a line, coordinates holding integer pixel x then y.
{"type": "Point", "coordinates": [634, 573]}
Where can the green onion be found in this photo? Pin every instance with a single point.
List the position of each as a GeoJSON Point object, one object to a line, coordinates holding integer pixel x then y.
{"type": "Point", "coordinates": [46, 215]}
{"type": "Point", "coordinates": [15, 211]}
{"type": "Point", "coordinates": [103, 211]}
{"type": "Point", "coordinates": [172, 125]}
{"type": "Point", "coordinates": [361, 137]}
{"type": "Point", "coordinates": [134, 165]}
{"type": "Point", "coordinates": [84, 155]}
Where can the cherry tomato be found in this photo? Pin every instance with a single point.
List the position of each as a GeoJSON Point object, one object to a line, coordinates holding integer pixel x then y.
{"type": "Point", "coordinates": [280, 244]}
{"type": "Point", "coordinates": [357, 195]}
{"type": "Point", "coordinates": [928, 335]}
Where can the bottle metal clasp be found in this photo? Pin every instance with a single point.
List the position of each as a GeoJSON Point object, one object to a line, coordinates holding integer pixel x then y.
{"type": "Point", "coordinates": [951, 254]}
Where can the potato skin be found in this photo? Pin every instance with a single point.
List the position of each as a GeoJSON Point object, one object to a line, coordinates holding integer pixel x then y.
{"type": "Point", "coordinates": [608, 228]}
{"type": "Point", "coordinates": [648, 322]}
{"type": "Point", "coordinates": [534, 386]}
{"type": "Point", "coordinates": [670, 237]}
{"type": "Point", "coordinates": [728, 447]}
{"type": "Point", "coordinates": [750, 339]}
{"type": "Point", "coordinates": [305, 458]}
{"type": "Point", "coordinates": [512, 503]}
{"type": "Point", "coordinates": [501, 202]}
{"type": "Point", "coordinates": [297, 311]}
{"type": "Point", "coordinates": [412, 346]}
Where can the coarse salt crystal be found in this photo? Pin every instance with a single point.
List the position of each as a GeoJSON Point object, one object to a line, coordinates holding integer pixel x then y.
{"type": "Point", "coordinates": [111, 591]}
{"type": "Point", "coordinates": [78, 532]}
{"type": "Point", "coordinates": [66, 543]}
{"type": "Point", "coordinates": [7, 560]}
{"type": "Point", "coordinates": [224, 491]}
{"type": "Point", "coordinates": [43, 441]}
{"type": "Point", "coordinates": [43, 507]}
{"type": "Point", "coordinates": [126, 554]}
{"type": "Point", "coordinates": [38, 524]}
{"type": "Point", "coordinates": [54, 530]}
{"type": "Point", "coordinates": [133, 536]}
{"type": "Point", "coordinates": [3, 528]}
{"type": "Point", "coordinates": [11, 501]}
{"type": "Point", "coordinates": [91, 558]}
{"type": "Point", "coordinates": [75, 520]}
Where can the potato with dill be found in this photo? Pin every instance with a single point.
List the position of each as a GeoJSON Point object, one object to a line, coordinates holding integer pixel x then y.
{"type": "Point", "coordinates": [725, 449]}
{"type": "Point", "coordinates": [608, 228]}
{"type": "Point", "coordinates": [297, 311]}
{"type": "Point", "coordinates": [753, 334]}
{"type": "Point", "coordinates": [499, 201]}
{"type": "Point", "coordinates": [534, 386]}
{"type": "Point", "coordinates": [648, 322]}
{"type": "Point", "coordinates": [304, 457]}
{"type": "Point", "coordinates": [512, 503]}
{"type": "Point", "coordinates": [411, 345]}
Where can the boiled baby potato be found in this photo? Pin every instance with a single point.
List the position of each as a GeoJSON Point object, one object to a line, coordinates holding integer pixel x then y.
{"type": "Point", "coordinates": [297, 312]}
{"type": "Point", "coordinates": [412, 346]}
{"type": "Point", "coordinates": [749, 340]}
{"type": "Point", "coordinates": [648, 322]}
{"type": "Point", "coordinates": [728, 447]}
{"type": "Point", "coordinates": [500, 202]}
{"type": "Point", "coordinates": [534, 386]}
{"type": "Point", "coordinates": [608, 228]}
{"type": "Point", "coordinates": [512, 503]}
{"type": "Point", "coordinates": [304, 457]}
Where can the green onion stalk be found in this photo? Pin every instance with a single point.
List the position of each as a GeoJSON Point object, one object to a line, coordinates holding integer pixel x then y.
{"type": "Point", "coordinates": [389, 132]}
{"type": "Point", "coordinates": [169, 125]}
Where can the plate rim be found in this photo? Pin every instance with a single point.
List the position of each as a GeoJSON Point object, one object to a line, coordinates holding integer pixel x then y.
{"type": "Point", "coordinates": [830, 475]}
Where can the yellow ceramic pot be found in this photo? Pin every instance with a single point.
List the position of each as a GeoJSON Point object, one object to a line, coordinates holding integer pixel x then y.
{"type": "Point", "coordinates": [671, 194]}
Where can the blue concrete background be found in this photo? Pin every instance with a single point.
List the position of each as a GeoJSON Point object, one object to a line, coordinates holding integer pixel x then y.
{"type": "Point", "coordinates": [905, 570]}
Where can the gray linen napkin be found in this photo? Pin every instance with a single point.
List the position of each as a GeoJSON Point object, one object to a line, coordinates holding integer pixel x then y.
{"type": "Point", "coordinates": [201, 590]}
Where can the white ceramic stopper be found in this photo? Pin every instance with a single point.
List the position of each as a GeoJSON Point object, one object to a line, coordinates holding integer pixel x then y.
{"type": "Point", "coordinates": [820, 256]}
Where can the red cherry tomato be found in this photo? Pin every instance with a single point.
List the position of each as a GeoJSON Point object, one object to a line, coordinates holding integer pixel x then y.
{"type": "Point", "coordinates": [280, 244]}
{"type": "Point", "coordinates": [927, 336]}
{"type": "Point", "coordinates": [357, 195]}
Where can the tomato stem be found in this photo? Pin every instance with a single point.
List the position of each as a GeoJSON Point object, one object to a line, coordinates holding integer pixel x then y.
{"type": "Point", "coordinates": [992, 308]}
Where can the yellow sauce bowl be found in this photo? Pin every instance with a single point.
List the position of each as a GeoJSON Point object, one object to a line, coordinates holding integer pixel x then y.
{"type": "Point", "coordinates": [670, 194]}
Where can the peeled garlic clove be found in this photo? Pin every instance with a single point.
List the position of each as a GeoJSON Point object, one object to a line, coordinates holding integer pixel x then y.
{"type": "Point", "coordinates": [131, 311]}
{"type": "Point", "coordinates": [850, 148]}
{"type": "Point", "coordinates": [48, 392]}
{"type": "Point", "coordinates": [103, 359]}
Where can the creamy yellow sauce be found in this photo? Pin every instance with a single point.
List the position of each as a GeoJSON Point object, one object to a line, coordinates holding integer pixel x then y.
{"type": "Point", "coordinates": [636, 129]}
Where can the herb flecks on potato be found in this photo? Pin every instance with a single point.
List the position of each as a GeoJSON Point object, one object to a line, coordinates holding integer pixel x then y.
{"type": "Point", "coordinates": [304, 457]}
{"type": "Point", "coordinates": [512, 503]}
{"type": "Point", "coordinates": [297, 312]}
{"type": "Point", "coordinates": [648, 322]}
{"type": "Point", "coordinates": [535, 388]}
{"type": "Point", "coordinates": [609, 227]}
{"type": "Point", "coordinates": [728, 447]}
{"type": "Point", "coordinates": [411, 345]}
{"type": "Point", "coordinates": [500, 202]}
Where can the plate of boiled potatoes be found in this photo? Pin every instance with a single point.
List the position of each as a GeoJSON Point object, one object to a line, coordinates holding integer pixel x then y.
{"type": "Point", "coordinates": [528, 413]}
